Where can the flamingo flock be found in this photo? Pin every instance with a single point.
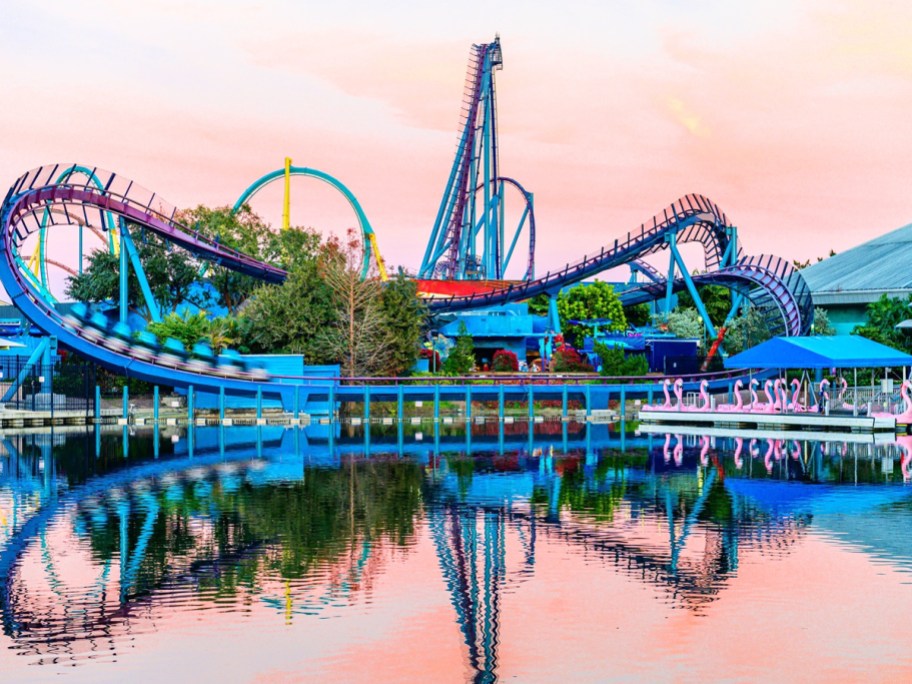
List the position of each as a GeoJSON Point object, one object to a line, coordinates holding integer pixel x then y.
{"type": "Point", "coordinates": [778, 399]}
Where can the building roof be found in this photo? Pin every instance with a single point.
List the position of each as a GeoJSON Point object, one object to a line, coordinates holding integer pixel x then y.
{"type": "Point", "coordinates": [862, 274]}
{"type": "Point", "coordinates": [820, 351]}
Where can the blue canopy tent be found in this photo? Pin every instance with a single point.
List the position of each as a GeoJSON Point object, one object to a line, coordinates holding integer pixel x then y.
{"type": "Point", "coordinates": [820, 352]}
{"type": "Point", "coordinates": [836, 351]}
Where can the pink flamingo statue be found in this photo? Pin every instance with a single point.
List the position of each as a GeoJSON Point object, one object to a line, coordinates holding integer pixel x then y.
{"type": "Point", "coordinates": [823, 390]}
{"type": "Point", "coordinates": [755, 402]}
{"type": "Point", "coordinates": [753, 449]}
{"type": "Point", "coordinates": [795, 404]}
{"type": "Point", "coordinates": [664, 407]}
{"type": "Point", "coordinates": [679, 450]}
{"type": "Point", "coordinates": [738, 405]}
{"type": "Point", "coordinates": [739, 444]}
{"type": "Point", "coordinates": [679, 393]}
{"type": "Point", "coordinates": [666, 456]}
{"type": "Point", "coordinates": [905, 461]}
{"type": "Point", "coordinates": [704, 395]}
{"type": "Point", "coordinates": [796, 450]}
{"type": "Point", "coordinates": [767, 407]}
{"type": "Point", "coordinates": [905, 418]}
{"type": "Point", "coordinates": [768, 456]}
{"type": "Point", "coordinates": [704, 450]}
{"type": "Point", "coordinates": [777, 395]}
{"type": "Point", "coordinates": [839, 401]}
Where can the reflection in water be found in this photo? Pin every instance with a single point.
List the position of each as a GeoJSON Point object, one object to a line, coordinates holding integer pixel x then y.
{"type": "Point", "coordinates": [102, 541]}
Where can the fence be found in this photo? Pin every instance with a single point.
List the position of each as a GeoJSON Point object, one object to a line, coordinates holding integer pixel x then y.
{"type": "Point", "coordinates": [66, 386]}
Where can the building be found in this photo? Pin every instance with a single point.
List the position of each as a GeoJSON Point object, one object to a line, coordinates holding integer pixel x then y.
{"type": "Point", "coordinates": [845, 284]}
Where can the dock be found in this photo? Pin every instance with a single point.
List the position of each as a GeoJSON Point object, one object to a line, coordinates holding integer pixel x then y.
{"type": "Point", "coordinates": [785, 422]}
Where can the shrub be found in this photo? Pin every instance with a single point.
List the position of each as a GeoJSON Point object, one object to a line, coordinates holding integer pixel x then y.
{"type": "Point", "coordinates": [504, 361]}
{"type": "Point", "coordinates": [461, 360]}
{"type": "Point", "coordinates": [566, 359]}
{"type": "Point", "coordinates": [615, 363]}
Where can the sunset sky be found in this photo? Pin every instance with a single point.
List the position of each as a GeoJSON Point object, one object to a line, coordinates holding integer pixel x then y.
{"type": "Point", "coordinates": [792, 116]}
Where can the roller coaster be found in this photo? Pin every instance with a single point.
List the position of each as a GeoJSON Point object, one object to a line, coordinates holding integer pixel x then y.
{"type": "Point", "coordinates": [464, 265]}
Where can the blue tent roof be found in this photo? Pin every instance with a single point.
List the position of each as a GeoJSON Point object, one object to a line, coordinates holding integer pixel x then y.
{"type": "Point", "coordinates": [836, 351]}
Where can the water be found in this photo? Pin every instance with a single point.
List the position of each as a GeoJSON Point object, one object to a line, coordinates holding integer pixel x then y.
{"type": "Point", "coordinates": [264, 554]}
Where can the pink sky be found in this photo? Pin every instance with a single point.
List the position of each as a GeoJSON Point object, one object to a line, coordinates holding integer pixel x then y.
{"type": "Point", "coordinates": [793, 117]}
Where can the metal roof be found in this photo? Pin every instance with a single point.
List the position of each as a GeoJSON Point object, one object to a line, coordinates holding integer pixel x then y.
{"type": "Point", "coordinates": [820, 351]}
{"type": "Point", "coordinates": [863, 273]}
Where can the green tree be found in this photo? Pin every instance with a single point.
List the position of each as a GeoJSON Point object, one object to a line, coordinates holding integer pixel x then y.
{"type": "Point", "coordinates": [247, 233]}
{"type": "Point", "coordinates": [716, 299]}
{"type": "Point", "coordinates": [539, 305]}
{"type": "Point", "coordinates": [616, 363]}
{"type": "Point", "coordinates": [188, 329]}
{"type": "Point", "coordinates": [822, 324]}
{"type": "Point", "coordinates": [170, 272]}
{"type": "Point", "coordinates": [461, 360]}
{"type": "Point", "coordinates": [585, 302]}
{"type": "Point", "coordinates": [883, 317]}
{"type": "Point", "coordinates": [685, 323]}
{"type": "Point", "coordinates": [291, 318]}
{"type": "Point", "coordinates": [638, 314]}
{"type": "Point", "coordinates": [404, 317]}
{"type": "Point", "coordinates": [745, 331]}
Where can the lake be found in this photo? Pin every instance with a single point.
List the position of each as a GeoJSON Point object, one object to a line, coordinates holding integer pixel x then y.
{"type": "Point", "coordinates": [577, 554]}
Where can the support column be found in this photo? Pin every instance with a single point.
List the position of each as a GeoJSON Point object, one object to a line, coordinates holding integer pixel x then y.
{"type": "Point", "coordinates": [124, 278]}
{"type": "Point", "coordinates": [155, 404]}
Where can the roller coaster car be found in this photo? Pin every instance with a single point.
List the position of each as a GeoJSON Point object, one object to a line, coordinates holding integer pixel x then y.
{"type": "Point", "coordinates": [79, 310]}
{"type": "Point", "coordinates": [201, 358]}
{"type": "Point", "coordinates": [93, 327]}
{"type": "Point", "coordinates": [172, 352]}
{"type": "Point", "coordinates": [258, 372]}
{"type": "Point", "coordinates": [145, 346]}
{"type": "Point", "coordinates": [230, 363]}
{"type": "Point", "coordinates": [119, 338]}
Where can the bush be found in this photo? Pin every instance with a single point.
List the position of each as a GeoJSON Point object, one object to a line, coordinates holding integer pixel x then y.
{"type": "Point", "coordinates": [504, 361]}
{"type": "Point", "coordinates": [461, 360]}
{"type": "Point", "coordinates": [567, 360]}
{"type": "Point", "coordinates": [617, 364]}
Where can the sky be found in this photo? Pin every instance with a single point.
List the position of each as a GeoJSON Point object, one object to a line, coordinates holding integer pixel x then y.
{"type": "Point", "coordinates": [792, 116]}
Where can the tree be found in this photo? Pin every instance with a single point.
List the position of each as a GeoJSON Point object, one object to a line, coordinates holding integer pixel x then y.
{"type": "Point", "coordinates": [586, 302]}
{"type": "Point", "coordinates": [190, 329]}
{"type": "Point", "coordinates": [291, 318]}
{"type": "Point", "coordinates": [745, 331]}
{"type": "Point", "coordinates": [358, 336]}
{"type": "Point", "coordinates": [638, 314]}
{"type": "Point", "coordinates": [883, 317]}
{"type": "Point", "coordinates": [685, 323]}
{"type": "Point", "coordinates": [172, 274]}
{"type": "Point", "coordinates": [247, 233]}
{"type": "Point", "coordinates": [539, 305]}
{"type": "Point", "coordinates": [616, 363]}
{"type": "Point", "coordinates": [822, 322]}
{"type": "Point", "coordinates": [461, 360]}
{"type": "Point", "coordinates": [404, 317]}
{"type": "Point", "coordinates": [716, 299]}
